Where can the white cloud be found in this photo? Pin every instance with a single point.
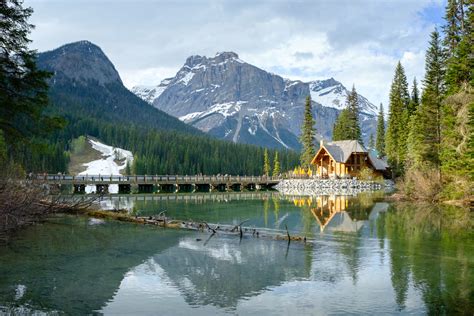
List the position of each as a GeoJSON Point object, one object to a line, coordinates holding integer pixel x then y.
{"type": "Point", "coordinates": [356, 42]}
{"type": "Point", "coordinates": [146, 76]}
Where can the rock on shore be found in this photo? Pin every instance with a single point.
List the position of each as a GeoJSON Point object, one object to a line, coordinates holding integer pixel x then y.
{"type": "Point", "coordinates": [330, 186]}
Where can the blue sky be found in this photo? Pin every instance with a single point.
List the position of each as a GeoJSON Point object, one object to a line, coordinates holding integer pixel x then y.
{"type": "Point", "coordinates": [356, 42]}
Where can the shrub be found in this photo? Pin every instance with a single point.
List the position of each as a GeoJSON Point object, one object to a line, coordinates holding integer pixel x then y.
{"type": "Point", "coordinates": [367, 174]}
{"type": "Point", "coordinates": [421, 184]}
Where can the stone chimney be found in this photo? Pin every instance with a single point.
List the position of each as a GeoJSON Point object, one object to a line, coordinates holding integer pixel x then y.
{"type": "Point", "coordinates": [321, 143]}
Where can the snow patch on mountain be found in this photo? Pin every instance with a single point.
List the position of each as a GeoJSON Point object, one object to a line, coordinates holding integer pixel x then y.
{"type": "Point", "coordinates": [113, 161]}
{"type": "Point", "coordinates": [149, 94]}
{"type": "Point", "coordinates": [186, 78]}
{"type": "Point", "coordinates": [225, 109]}
{"type": "Point", "coordinates": [331, 97]}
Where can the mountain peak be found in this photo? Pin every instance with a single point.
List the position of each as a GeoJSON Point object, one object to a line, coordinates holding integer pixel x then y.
{"type": "Point", "coordinates": [226, 55]}
{"type": "Point", "coordinates": [194, 60]}
{"type": "Point", "coordinates": [83, 46]}
{"type": "Point", "coordinates": [81, 61]}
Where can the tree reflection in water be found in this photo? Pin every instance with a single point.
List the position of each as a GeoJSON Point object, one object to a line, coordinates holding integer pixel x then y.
{"type": "Point", "coordinates": [378, 258]}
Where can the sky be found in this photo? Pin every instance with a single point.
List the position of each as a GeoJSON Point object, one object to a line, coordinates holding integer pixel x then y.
{"type": "Point", "coordinates": [357, 42]}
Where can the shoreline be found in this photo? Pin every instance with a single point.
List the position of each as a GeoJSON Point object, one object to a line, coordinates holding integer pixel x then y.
{"type": "Point", "coordinates": [331, 186]}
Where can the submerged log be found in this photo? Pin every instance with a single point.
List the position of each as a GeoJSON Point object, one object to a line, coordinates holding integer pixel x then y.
{"type": "Point", "coordinates": [169, 223]}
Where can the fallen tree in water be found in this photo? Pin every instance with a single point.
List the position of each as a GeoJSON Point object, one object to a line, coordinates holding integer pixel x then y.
{"type": "Point", "coordinates": [162, 221]}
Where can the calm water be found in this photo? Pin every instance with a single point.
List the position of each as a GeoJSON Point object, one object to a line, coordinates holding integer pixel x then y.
{"type": "Point", "coordinates": [367, 258]}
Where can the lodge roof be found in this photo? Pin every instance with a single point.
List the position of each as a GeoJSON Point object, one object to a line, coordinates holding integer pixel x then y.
{"type": "Point", "coordinates": [378, 163]}
{"type": "Point", "coordinates": [341, 150]}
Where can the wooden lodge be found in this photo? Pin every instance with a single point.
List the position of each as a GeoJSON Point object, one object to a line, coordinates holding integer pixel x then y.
{"type": "Point", "coordinates": [346, 158]}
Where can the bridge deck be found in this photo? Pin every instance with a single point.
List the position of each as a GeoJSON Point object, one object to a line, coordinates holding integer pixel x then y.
{"type": "Point", "coordinates": [156, 179]}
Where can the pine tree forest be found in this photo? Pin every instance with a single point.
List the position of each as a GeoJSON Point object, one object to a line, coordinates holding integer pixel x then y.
{"type": "Point", "coordinates": [437, 148]}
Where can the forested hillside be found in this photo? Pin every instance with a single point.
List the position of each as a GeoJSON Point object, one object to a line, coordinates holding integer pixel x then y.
{"type": "Point", "coordinates": [86, 84]}
{"type": "Point", "coordinates": [168, 152]}
{"type": "Point", "coordinates": [87, 97]}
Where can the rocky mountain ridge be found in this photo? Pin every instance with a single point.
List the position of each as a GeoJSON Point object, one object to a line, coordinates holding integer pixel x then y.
{"type": "Point", "coordinates": [86, 85]}
{"type": "Point", "coordinates": [233, 100]}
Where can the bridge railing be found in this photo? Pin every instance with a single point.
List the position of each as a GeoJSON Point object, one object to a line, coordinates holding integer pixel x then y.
{"type": "Point", "coordinates": [149, 178]}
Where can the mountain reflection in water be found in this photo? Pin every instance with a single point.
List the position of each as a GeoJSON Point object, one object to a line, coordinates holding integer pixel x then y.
{"type": "Point", "coordinates": [367, 258]}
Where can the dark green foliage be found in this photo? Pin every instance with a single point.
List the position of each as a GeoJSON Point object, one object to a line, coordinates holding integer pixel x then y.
{"type": "Point", "coordinates": [414, 99]}
{"type": "Point", "coordinates": [24, 96]}
{"type": "Point", "coordinates": [397, 131]}
{"type": "Point", "coordinates": [353, 106]}
{"type": "Point", "coordinates": [457, 110]}
{"type": "Point", "coordinates": [459, 42]}
{"type": "Point", "coordinates": [347, 123]}
{"type": "Point", "coordinates": [380, 138]}
{"type": "Point", "coordinates": [371, 141]}
{"type": "Point", "coordinates": [440, 140]}
{"type": "Point", "coordinates": [23, 88]}
{"type": "Point", "coordinates": [454, 25]}
{"type": "Point", "coordinates": [340, 130]}
{"type": "Point", "coordinates": [111, 102]}
{"type": "Point", "coordinates": [425, 134]}
{"type": "Point", "coordinates": [161, 152]}
{"type": "Point", "coordinates": [307, 135]}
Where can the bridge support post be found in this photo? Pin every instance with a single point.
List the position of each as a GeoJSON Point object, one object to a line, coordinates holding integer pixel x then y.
{"type": "Point", "coordinates": [124, 188]}
{"type": "Point", "coordinates": [102, 188]}
{"type": "Point", "coordinates": [145, 188]}
{"type": "Point", "coordinates": [79, 189]}
{"type": "Point", "coordinates": [194, 187]}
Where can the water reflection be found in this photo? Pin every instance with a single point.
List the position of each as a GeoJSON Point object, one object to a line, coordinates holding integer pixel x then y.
{"type": "Point", "coordinates": [368, 257]}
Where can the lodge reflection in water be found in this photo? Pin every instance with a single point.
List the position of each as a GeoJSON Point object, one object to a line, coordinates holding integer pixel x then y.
{"type": "Point", "coordinates": [335, 212]}
{"type": "Point", "coordinates": [78, 268]}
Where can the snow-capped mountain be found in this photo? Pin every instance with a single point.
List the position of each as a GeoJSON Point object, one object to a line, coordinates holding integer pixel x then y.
{"type": "Point", "coordinates": [233, 100]}
{"type": "Point", "coordinates": [333, 94]}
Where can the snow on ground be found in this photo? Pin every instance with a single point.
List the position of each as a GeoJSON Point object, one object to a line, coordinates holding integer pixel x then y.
{"type": "Point", "coordinates": [107, 166]}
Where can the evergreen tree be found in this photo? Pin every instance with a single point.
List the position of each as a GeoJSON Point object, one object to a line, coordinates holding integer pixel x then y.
{"type": "Point", "coordinates": [266, 163]}
{"type": "Point", "coordinates": [23, 88]}
{"type": "Point", "coordinates": [459, 45]}
{"type": "Point", "coordinates": [353, 106]}
{"type": "Point", "coordinates": [128, 169]}
{"type": "Point", "coordinates": [380, 139]}
{"type": "Point", "coordinates": [397, 132]}
{"type": "Point", "coordinates": [340, 129]}
{"type": "Point", "coordinates": [425, 133]}
{"type": "Point", "coordinates": [307, 135]}
{"type": "Point", "coordinates": [276, 165]}
{"type": "Point", "coordinates": [454, 26]}
{"type": "Point", "coordinates": [456, 152]}
{"type": "Point", "coordinates": [347, 125]}
{"type": "Point", "coordinates": [371, 141]}
{"type": "Point", "coordinates": [414, 99]}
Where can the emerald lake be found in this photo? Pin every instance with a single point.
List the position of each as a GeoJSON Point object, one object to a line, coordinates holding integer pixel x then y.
{"type": "Point", "coordinates": [363, 256]}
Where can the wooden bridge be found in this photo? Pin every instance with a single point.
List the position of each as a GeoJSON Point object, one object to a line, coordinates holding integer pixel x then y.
{"type": "Point", "coordinates": [159, 183]}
